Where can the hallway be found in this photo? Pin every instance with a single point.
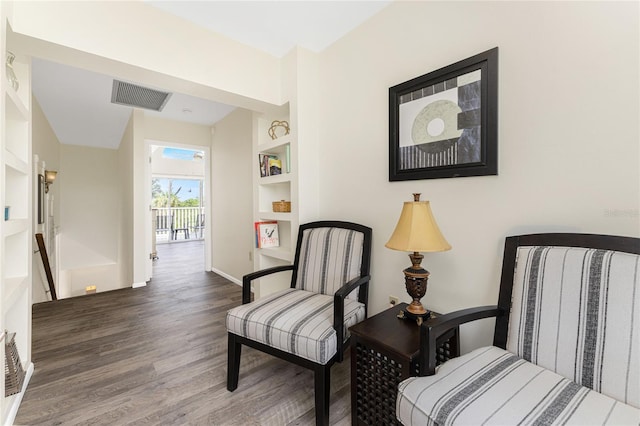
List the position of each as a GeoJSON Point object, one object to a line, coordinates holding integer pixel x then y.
{"type": "Point", "coordinates": [177, 260]}
{"type": "Point", "coordinates": [157, 355]}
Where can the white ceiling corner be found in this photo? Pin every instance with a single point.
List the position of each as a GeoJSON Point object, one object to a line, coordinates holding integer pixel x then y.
{"type": "Point", "coordinates": [276, 27]}
{"type": "Point", "coordinates": [77, 103]}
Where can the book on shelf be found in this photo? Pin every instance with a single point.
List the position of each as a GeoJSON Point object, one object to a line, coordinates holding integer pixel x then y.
{"type": "Point", "coordinates": [275, 166]}
{"type": "Point", "coordinates": [267, 234]}
{"type": "Point", "coordinates": [269, 165]}
{"type": "Point", "coordinates": [263, 162]}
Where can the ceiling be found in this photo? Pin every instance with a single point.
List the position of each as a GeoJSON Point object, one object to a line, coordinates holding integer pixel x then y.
{"type": "Point", "coordinates": [77, 103]}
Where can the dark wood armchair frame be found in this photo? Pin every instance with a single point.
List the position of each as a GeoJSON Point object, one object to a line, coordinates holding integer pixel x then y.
{"type": "Point", "coordinates": [436, 327]}
{"type": "Point", "coordinates": [322, 372]}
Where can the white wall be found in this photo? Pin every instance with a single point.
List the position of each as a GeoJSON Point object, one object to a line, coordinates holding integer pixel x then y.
{"type": "Point", "coordinates": [143, 43]}
{"type": "Point", "coordinates": [170, 131]}
{"type": "Point", "coordinates": [47, 147]}
{"type": "Point", "coordinates": [300, 72]}
{"type": "Point", "coordinates": [231, 207]}
{"type": "Point", "coordinates": [568, 134]}
{"type": "Point", "coordinates": [175, 166]}
{"type": "Point", "coordinates": [89, 219]}
{"type": "Point", "coordinates": [125, 182]}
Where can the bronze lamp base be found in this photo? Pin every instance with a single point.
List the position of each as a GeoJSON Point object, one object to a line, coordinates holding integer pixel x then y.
{"type": "Point", "coordinates": [415, 279]}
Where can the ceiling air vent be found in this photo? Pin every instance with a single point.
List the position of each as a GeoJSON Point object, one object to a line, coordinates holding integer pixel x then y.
{"type": "Point", "coordinates": [138, 96]}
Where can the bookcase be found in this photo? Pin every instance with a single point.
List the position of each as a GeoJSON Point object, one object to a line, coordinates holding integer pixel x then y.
{"type": "Point", "coordinates": [268, 189]}
{"type": "Point", "coordinates": [16, 187]}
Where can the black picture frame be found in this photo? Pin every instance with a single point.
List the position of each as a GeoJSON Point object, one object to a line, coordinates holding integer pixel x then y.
{"type": "Point", "coordinates": [41, 191]}
{"type": "Point", "coordinates": [444, 124]}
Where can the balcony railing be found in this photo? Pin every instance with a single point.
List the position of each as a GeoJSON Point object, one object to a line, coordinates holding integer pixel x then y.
{"type": "Point", "coordinates": [178, 223]}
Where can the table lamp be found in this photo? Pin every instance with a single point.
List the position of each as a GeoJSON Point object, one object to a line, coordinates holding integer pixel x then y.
{"type": "Point", "coordinates": [417, 231]}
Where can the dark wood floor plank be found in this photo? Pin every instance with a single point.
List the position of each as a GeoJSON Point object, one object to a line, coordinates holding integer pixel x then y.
{"type": "Point", "coordinates": [157, 355]}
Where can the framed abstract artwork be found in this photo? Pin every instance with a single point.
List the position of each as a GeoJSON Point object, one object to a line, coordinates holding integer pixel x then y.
{"type": "Point", "coordinates": [445, 123]}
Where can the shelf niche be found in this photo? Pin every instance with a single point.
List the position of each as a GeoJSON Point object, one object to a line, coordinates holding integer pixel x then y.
{"type": "Point", "coordinates": [269, 189]}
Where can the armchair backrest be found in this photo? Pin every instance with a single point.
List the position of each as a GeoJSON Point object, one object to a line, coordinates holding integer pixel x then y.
{"type": "Point", "coordinates": [574, 308]}
{"type": "Point", "coordinates": [330, 254]}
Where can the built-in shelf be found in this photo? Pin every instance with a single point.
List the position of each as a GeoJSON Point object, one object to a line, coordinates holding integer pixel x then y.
{"type": "Point", "coordinates": [15, 226]}
{"type": "Point", "coordinates": [275, 216]}
{"type": "Point", "coordinates": [16, 191]}
{"type": "Point", "coordinates": [281, 253]}
{"type": "Point", "coordinates": [275, 145]}
{"type": "Point", "coordinates": [16, 188]}
{"type": "Point", "coordinates": [275, 179]}
{"type": "Point", "coordinates": [11, 160]}
{"type": "Point", "coordinates": [270, 189]}
{"type": "Point", "coordinates": [16, 109]}
{"type": "Point", "coordinates": [15, 246]}
{"type": "Point", "coordinates": [14, 288]}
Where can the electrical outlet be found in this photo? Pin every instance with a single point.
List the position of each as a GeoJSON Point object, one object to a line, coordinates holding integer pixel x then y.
{"type": "Point", "coordinates": [393, 300]}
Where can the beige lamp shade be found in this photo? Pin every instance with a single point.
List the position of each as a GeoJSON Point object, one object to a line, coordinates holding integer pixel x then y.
{"type": "Point", "coordinates": [417, 230]}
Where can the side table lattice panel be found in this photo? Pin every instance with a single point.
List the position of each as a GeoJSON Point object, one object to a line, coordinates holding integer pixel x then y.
{"type": "Point", "coordinates": [376, 387]}
{"type": "Point", "coordinates": [377, 379]}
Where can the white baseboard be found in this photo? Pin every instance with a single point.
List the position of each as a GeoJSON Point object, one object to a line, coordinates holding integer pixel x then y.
{"type": "Point", "coordinates": [12, 410]}
{"type": "Point", "coordinates": [227, 276]}
{"type": "Point", "coordinates": [138, 285]}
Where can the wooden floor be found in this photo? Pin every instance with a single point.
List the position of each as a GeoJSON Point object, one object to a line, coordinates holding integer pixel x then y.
{"type": "Point", "coordinates": [158, 355]}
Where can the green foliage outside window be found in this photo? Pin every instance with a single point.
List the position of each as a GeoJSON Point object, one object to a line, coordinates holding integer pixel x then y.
{"type": "Point", "coordinates": [162, 198]}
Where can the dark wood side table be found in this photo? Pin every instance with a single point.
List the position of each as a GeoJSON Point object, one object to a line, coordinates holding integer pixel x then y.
{"type": "Point", "coordinates": [384, 352]}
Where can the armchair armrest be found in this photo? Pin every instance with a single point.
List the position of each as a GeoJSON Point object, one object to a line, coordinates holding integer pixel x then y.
{"type": "Point", "coordinates": [246, 280]}
{"type": "Point", "coordinates": [338, 308]}
{"type": "Point", "coordinates": [436, 327]}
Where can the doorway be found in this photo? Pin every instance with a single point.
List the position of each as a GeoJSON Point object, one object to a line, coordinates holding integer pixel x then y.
{"type": "Point", "coordinates": [177, 179]}
{"type": "Point", "coordinates": [178, 209]}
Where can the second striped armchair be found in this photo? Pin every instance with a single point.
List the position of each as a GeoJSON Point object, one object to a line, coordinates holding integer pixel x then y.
{"type": "Point", "coordinates": [566, 347]}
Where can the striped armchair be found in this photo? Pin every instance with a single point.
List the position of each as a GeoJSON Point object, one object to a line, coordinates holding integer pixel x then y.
{"type": "Point", "coordinates": [566, 346]}
{"type": "Point", "coordinates": [308, 323]}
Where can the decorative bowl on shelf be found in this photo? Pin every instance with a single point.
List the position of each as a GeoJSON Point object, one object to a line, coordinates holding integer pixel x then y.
{"type": "Point", "coordinates": [282, 206]}
{"type": "Point", "coordinates": [274, 130]}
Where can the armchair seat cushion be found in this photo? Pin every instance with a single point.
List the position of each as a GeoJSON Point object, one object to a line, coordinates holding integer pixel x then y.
{"type": "Point", "coordinates": [296, 321]}
{"type": "Point", "coordinates": [492, 386]}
